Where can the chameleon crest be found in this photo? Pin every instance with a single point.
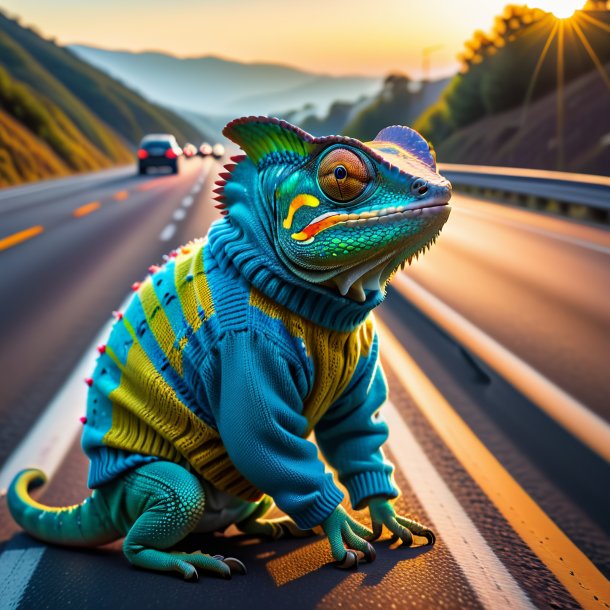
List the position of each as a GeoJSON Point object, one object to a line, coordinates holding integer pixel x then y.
{"type": "Point", "coordinates": [335, 211]}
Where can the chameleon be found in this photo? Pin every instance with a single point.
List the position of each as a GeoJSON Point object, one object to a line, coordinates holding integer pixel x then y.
{"type": "Point", "coordinates": [242, 344]}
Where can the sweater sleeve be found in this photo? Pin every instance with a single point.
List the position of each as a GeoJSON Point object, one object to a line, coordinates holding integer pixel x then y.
{"type": "Point", "coordinates": [352, 431]}
{"type": "Point", "coordinates": [259, 418]}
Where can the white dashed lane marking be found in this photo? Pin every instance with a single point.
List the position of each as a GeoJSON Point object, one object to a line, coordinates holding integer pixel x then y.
{"type": "Point", "coordinates": [168, 232]}
{"type": "Point", "coordinates": [179, 214]}
{"type": "Point", "coordinates": [187, 202]}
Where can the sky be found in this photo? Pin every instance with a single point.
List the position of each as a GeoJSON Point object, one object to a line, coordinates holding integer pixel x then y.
{"type": "Point", "coordinates": [369, 37]}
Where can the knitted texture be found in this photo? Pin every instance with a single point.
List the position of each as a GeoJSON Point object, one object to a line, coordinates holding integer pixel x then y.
{"type": "Point", "coordinates": [207, 371]}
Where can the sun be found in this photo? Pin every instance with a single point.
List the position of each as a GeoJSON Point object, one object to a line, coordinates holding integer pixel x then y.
{"type": "Point", "coordinates": [562, 9]}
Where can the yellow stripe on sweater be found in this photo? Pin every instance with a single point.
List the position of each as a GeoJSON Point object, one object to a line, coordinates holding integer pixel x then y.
{"type": "Point", "coordinates": [149, 418]}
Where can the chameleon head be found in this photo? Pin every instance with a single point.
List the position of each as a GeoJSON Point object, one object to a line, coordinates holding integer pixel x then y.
{"type": "Point", "coordinates": [344, 213]}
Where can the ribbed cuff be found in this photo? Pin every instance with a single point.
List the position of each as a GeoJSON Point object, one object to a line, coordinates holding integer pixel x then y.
{"type": "Point", "coordinates": [370, 483]}
{"type": "Point", "coordinates": [330, 497]}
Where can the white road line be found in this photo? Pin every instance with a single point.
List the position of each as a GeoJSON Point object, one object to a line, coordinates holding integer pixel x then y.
{"type": "Point", "coordinates": [568, 412]}
{"type": "Point", "coordinates": [168, 232]}
{"type": "Point", "coordinates": [16, 569]}
{"type": "Point", "coordinates": [187, 202]}
{"type": "Point", "coordinates": [179, 214]}
{"type": "Point", "coordinates": [574, 241]}
{"type": "Point", "coordinates": [45, 447]}
{"type": "Point", "coordinates": [488, 577]}
{"type": "Point", "coordinates": [196, 188]}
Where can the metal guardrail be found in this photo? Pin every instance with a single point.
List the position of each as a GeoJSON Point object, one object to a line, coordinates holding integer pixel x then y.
{"type": "Point", "coordinates": [581, 196]}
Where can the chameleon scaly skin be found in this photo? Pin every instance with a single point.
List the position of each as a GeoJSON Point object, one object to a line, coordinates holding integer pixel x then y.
{"type": "Point", "coordinates": [240, 345]}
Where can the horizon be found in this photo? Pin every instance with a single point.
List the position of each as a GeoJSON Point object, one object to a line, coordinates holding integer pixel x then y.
{"type": "Point", "coordinates": [202, 28]}
{"type": "Point", "coordinates": [246, 62]}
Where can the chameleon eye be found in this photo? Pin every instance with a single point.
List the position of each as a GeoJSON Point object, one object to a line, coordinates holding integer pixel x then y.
{"type": "Point", "coordinates": [343, 175]}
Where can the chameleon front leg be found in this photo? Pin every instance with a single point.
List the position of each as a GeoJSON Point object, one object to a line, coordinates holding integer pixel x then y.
{"type": "Point", "coordinates": [282, 527]}
{"type": "Point", "coordinates": [162, 503]}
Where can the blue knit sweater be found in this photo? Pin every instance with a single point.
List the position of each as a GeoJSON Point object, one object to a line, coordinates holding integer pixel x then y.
{"type": "Point", "coordinates": [225, 363]}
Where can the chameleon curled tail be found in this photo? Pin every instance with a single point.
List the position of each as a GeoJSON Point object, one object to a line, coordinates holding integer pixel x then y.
{"type": "Point", "coordinates": [85, 524]}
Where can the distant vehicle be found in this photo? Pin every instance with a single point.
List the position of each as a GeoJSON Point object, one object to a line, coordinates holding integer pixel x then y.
{"type": "Point", "coordinates": [158, 150]}
{"type": "Point", "coordinates": [205, 150]}
{"type": "Point", "coordinates": [218, 151]}
{"type": "Point", "coordinates": [189, 150]}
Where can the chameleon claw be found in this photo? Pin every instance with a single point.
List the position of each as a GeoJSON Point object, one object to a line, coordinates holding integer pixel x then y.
{"type": "Point", "coordinates": [430, 537]}
{"type": "Point", "coordinates": [371, 554]}
{"type": "Point", "coordinates": [350, 561]}
{"type": "Point", "coordinates": [193, 576]}
{"type": "Point", "coordinates": [407, 538]}
{"type": "Point", "coordinates": [235, 565]}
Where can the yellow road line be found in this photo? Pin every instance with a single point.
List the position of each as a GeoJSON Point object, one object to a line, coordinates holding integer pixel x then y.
{"type": "Point", "coordinates": [83, 210]}
{"type": "Point", "coordinates": [121, 195]}
{"type": "Point", "coordinates": [567, 562]}
{"type": "Point", "coordinates": [17, 238]}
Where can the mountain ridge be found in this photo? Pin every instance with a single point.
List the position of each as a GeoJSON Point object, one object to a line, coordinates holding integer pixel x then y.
{"type": "Point", "coordinates": [211, 85]}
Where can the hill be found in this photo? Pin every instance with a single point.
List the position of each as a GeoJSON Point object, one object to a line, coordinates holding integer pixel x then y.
{"type": "Point", "coordinates": [513, 139]}
{"type": "Point", "coordinates": [511, 68]}
{"type": "Point", "coordinates": [69, 116]}
{"type": "Point", "coordinates": [213, 85]}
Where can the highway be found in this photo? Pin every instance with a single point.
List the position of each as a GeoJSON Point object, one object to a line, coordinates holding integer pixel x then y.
{"type": "Point", "coordinates": [521, 507]}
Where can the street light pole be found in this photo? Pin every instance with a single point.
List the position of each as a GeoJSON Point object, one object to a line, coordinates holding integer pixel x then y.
{"type": "Point", "coordinates": [425, 64]}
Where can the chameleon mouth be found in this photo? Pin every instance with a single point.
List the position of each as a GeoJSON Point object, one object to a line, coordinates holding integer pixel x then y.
{"type": "Point", "coordinates": [385, 216]}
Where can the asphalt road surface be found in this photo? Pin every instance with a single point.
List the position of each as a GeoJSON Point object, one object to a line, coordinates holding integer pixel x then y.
{"type": "Point", "coordinates": [521, 508]}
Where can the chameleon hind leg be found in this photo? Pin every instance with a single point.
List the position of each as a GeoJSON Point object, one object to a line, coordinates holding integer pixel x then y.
{"type": "Point", "coordinates": [282, 527]}
{"type": "Point", "coordinates": [164, 503]}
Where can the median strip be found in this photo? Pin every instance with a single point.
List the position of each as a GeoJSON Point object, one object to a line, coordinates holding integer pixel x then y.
{"type": "Point", "coordinates": [83, 210]}
{"type": "Point", "coordinates": [565, 560]}
{"type": "Point", "coordinates": [17, 238]}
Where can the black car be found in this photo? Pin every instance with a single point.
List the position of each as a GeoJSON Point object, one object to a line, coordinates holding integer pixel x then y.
{"type": "Point", "coordinates": [158, 150]}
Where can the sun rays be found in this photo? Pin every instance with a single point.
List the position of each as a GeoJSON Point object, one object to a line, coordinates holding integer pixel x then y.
{"type": "Point", "coordinates": [575, 24]}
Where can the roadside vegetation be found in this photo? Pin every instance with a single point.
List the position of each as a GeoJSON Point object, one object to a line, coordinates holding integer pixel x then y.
{"type": "Point", "coordinates": [59, 115]}
{"type": "Point", "coordinates": [533, 93]}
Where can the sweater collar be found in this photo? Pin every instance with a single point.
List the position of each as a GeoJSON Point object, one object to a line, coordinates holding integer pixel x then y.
{"type": "Point", "coordinates": [262, 269]}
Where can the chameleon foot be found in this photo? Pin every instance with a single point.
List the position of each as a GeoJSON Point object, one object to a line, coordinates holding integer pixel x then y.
{"type": "Point", "coordinates": [344, 531]}
{"type": "Point", "coordinates": [185, 563]}
{"type": "Point", "coordinates": [383, 513]}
